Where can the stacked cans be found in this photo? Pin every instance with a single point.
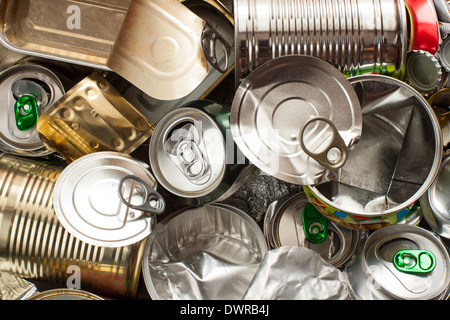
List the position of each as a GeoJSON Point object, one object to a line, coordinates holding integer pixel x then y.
{"type": "Point", "coordinates": [193, 149]}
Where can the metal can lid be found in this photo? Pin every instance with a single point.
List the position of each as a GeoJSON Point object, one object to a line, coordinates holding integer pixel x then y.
{"type": "Point", "coordinates": [277, 100]}
{"type": "Point", "coordinates": [444, 54]}
{"type": "Point", "coordinates": [19, 82]}
{"type": "Point", "coordinates": [87, 202]}
{"type": "Point", "coordinates": [188, 152]}
{"type": "Point", "coordinates": [381, 253]}
{"type": "Point", "coordinates": [423, 72]}
{"type": "Point", "coordinates": [283, 226]}
{"type": "Point", "coordinates": [435, 203]}
{"type": "Point", "coordinates": [65, 294]}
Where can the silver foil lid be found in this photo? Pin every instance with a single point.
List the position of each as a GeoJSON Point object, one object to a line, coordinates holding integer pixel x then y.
{"type": "Point", "coordinates": [376, 274]}
{"type": "Point", "coordinates": [284, 226]}
{"type": "Point", "coordinates": [275, 102]}
{"type": "Point", "coordinates": [188, 153]}
{"type": "Point", "coordinates": [435, 203]}
{"type": "Point", "coordinates": [87, 202]}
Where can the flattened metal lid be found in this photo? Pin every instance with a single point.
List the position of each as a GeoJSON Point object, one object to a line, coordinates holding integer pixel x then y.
{"type": "Point", "coordinates": [188, 153]}
{"type": "Point", "coordinates": [277, 99]}
{"type": "Point", "coordinates": [380, 257]}
{"type": "Point", "coordinates": [87, 202]}
{"type": "Point", "coordinates": [284, 226]}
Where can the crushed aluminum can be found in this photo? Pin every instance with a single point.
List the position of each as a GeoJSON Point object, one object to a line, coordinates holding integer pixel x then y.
{"type": "Point", "coordinates": [401, 262]}
{"type": "Point", "coordinates": [193, 156]}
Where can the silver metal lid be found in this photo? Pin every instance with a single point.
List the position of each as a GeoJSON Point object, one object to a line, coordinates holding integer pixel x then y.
{"type": "Point", "coordinates": [423, 72]}
{"type": "Point", "coordinates": [188, 153]}
{"type": "Point", "coordinates": [283, 226]}
{"type": "Point", "coordinates": [435, 203]}
{"type": "Point", "coordinates": [19, 81]}
{"type": "Point", "coordinates": [275, 102]}
{"type": "Point", "coordinates": [378, 256]}
{"type": "Point", "coordinates": [444, 54]}
{"type": "Point", "coordinates": [87, 203]}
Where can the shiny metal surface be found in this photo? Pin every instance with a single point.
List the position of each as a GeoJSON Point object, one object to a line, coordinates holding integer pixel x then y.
{"type": "Point", "coordinates": [91, 117]}
{"type": "Point", "coordinates": [205, 253]}
{"type": "Point", "coordinates": [65, 294]}
{"type": "Point", "coordinates": [192, 156]}
{"type": "Point", "coordinates": [13, 140]}
{"type": "Point", "coordinates": [159, 49]}
{"type": "Point", "coordinates": [423, 72]}
{"type": "Point", "coordinates": [277, 99]}
{"type": "Point", "coordinates": [283, 226]}
{"type": "Point", "coordinates": [374, 277]}
{"type": "Point", "coordinates": [355, 36]}
{"type": "Point", "coordinates": [297, 273]}
{"type": "Point", "coordinates": [435, 203]}
{"type": "Point", "coordinates": [34, 244]}
{"type": "Point", "coordinates": [87, 203]}
{"type": "Point", "coordinates": [385, 174]}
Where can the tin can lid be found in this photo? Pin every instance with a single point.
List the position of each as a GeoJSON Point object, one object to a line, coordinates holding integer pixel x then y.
{"type": "Point", "coordinates": [276, 102]}
{"type": "Point", "coordinates": [381, 254]}
{"type": "Point", "coordinates": [65, 294]}
{"type": "Point", "coordinates": [87, 202]}
{"type": "Point", "coordinates": [444, 54]}
{"type": "Point", "coordinates": [284, 226]}
{"type": "Point", "coordinates": [423, 72]}
{"type": "Point", "coordinates": [188, 152]}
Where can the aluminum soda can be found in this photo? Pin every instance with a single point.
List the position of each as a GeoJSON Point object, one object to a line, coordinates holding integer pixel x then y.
{"type": "Point", "coordinates": [28, 90]}
{"type": "Point", "coordinates": [401, 262]}
{"type": "Point", "coordinates": [35, 245]}
{"type": "Point", "coordinates": [193, 155]}
{"type": "Point", "coordinates": [294, 221]}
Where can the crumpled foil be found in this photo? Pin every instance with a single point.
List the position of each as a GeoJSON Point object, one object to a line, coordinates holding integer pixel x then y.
{"type": "Point", "coordinates": [297, 273]}
{"type": "Point", "coordinates": [15, 288]}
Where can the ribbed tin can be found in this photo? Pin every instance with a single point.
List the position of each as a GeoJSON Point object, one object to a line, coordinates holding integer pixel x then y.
{"type": "Point", "coordinates": [358, 36]}
{"type": "Point", "coordinates": [34, 244]}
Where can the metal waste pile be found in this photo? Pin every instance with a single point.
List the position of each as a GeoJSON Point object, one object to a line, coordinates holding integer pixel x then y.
{"type": "Point", "coordinates": [199, 150]}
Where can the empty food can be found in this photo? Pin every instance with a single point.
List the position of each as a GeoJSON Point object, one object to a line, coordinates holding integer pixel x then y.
{"type": "Point", "coordinates": [206, 253]}
{"type": "Point", "coordinates": [35, 245]}
{"type": "Point", "coordinates": [384, 174]}
{"type": "Point", "coordinates": [435, 203]}
{"type": "Point", "coordinates": [193, 155]}
{"type": "Point", "coordinates": [355, 36]}
{"type": "Point", "coordinates": [401, 263]}
{"type": "Point", "coordinates": [92, 116]}
{"type": "Point", "coordinates": [28, 90]}
{"type": "Point", "coordinates": [294, 221]}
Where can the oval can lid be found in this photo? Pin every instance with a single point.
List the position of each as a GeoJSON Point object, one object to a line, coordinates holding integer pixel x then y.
{"type": "Point", "coordinates": [380, 250]}
{"type": "Point", "coordinates": [274, 102]}
{"type": "Point", "coordinates": [87, 203]}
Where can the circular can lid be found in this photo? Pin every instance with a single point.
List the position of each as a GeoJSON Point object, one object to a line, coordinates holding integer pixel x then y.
{"type": "Point", "coordinates": [187, 152]}
{"type": "Point", "coordinates": [275, 103]}
{"type": "Point", "coordinates": [423, 72]}
{"type": "Point", "coordinates": [444, 54]}
{"type": "Point", "coordinates": [284, 226]}
{"type": "Point", "coordinates": [421, 274]}
{"type": "Point", "coordinates": [65, 294]}
{"type": "Point", "coordinates": [87, 202]}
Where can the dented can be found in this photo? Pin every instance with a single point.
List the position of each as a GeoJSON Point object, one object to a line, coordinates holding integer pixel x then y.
{"type": "Point", "coordinates": [193, 155]}
{"type": "Point", "coordinates": [28, 90]}
{"type": "Point", "coordinates": [401, 262]}
{"type": "Point", "coordinates": [35, 245]}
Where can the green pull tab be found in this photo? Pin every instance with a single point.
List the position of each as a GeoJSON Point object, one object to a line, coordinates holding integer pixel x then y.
{"type": "Point", "coordinates": [414, 261]}
{"type": "Point", "coordinates": [26, 112]}
{"type": "Point", "coordinates": [315, 224]}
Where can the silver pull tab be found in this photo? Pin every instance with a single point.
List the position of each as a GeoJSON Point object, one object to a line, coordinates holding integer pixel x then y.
{"type": "Point", "coordinates": [184, 147]}
{"type": "Point", "coordinates": [140, 195]}
{"type": "Point", "coordinates": [210, 48]}
{"type": "Point", "coordinates": [335, 154]}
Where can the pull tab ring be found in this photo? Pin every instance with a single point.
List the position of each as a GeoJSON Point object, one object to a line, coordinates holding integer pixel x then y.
{"type": "Point", "coordinates": [336, 153]}
{"type": "Point", "coordinates": [152, 201]}
{"type": "Point", "coordinates": [209, 44]}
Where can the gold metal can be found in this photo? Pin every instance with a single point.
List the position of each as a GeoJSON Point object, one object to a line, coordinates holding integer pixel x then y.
{"type": "Point", "coordinates": [34, 245]}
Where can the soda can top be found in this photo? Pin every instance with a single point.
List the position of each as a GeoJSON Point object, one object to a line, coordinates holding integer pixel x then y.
{"type": "Point", "coordinates": [88, 204]}
{"type": "Point", "coordinates": [403, 262]}
{"type": "Point", "coordinates": [294, 117]}
{"type": "Point", "coordinates": [287, 223]}
{"type": "Point", "coordinates": [188, 152]}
